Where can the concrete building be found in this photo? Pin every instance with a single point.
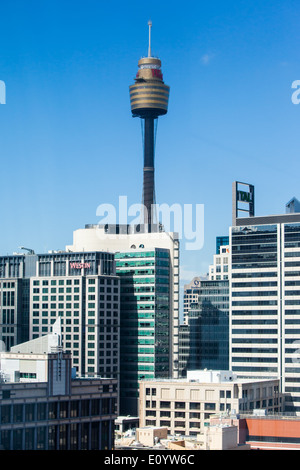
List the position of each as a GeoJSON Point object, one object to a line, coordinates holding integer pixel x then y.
{"type": "Point", "coordinates": [220, 242]}
{"type": "Point", "coordinates": [149, 436]}
{"type": "Point", "coordinates": [190, 296]}
{"type": "Point", "coordinates": [148, 266]}
{"type": "Point", "coordinates": [260, 431]}
{"type": "Point", "coordinates": [126, 425]}
{"type": "Point", "coordinates": [15, 271]}
{"type": "Point", "coordinates": [204, 340]}
{"type": "Point", "coordinates": [209, 328]}
{"type": "Point", "coordinates": [264, 301]}
{"type": "Point", "coordinates": [185, 406]}
{"type": "Point", "coordinates": [219, 269]}
{"type": "Point", "coordinates": [45, 406]}
{"type": "Point", "coordinates": [82, 289]}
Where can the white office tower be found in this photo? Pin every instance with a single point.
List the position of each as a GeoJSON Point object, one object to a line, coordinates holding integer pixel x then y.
{"type": "Point", "coordinates": [148, 266]}
{"type": "Point", "coordinates": [218, 271]}
{"type": "Point", "coordinates": [265, 301]}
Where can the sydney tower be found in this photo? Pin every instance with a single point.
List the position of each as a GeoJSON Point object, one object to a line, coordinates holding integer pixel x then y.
{"type": "Point", "coordinates": [149, 98]}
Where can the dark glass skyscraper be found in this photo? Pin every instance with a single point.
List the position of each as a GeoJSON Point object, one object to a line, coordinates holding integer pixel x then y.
{"type": "Point", "coordinates": [208, 329]}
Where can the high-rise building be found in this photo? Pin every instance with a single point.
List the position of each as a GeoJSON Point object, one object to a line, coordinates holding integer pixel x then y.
{"type": "Point", "coordinates": [145, 320]}
{"type": "Point", "coordinates": [15, 271]}
{"type": "Point", "coordinates": [148, 267]}
{"type": "Point", "coordinates": [219, 269]}
{"type": "Point", "coordinates": [190, 296]}
{"type": "Point", "coordinates": [209, 328]}
{"type": "Point", "coordinates": [220, 242]}
{"type": "Point", "coordinates": [204, 340]}
{"type": "Point", "coordinates": [82, 289]}
{"type": "Point", "coordinates": [264, 300]}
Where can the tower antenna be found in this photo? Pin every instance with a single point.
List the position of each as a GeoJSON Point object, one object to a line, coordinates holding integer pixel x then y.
{"type": "Point", "coordinates": [149, 48]}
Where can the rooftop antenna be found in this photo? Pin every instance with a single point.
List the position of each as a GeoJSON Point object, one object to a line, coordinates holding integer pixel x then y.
{"type": "Point", "coordinates": [149, 48]}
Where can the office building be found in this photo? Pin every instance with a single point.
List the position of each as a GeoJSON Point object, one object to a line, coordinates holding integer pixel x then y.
{"type": "Point", "coordinates": [209, 328]}
{"type": "Point", "coordinates": [204, 340]}
{"type": "Point", "coordinates": [185, 406]}
{"type": "Point", "coordinates": [145, 320]}
{"type": "Point", "coordinates": [190, 296]}
{"type": "Point", "coordinates": [148, 267]}
{"type": "Point", "coordinates": [184, 349]}
{"type": "Point", "coordinates": [45, 406]}
{"type": "Point", "coordinates": [264, 301]}
{"type": "Point", "coordinates": [15, 271]}
{"type": "Point", "coordinates": [292, 206]}
{"type": "Point", "coordinates": [219, 269]}
{"type": "Point", "coordinates": [262, 431]}
{"type": "Point", "coordinates": [220, 242]}
{"type": "Point", "coordinates": [81, 289]}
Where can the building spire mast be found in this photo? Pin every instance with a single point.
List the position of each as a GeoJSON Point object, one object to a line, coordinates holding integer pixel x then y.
{"type": "Point", "coordinates": [149, 48]}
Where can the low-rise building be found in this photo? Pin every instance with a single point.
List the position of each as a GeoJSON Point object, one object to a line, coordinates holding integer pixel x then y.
{"type": "Point", "coordinates": [44, 406]}
{"type": "Point", "coordinates": [150, 436]}
{"type": "Point", "coordinates": [264, 431]}
{"type": "Point", "coordinates": [185, 406]}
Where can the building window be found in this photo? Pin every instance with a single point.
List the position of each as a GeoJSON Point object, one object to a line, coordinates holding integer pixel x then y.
{"type": "Point", "coordinates": [210, 406]}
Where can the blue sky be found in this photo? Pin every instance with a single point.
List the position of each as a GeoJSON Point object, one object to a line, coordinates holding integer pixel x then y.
{"type": "Point", "coordinates": [68, 142]}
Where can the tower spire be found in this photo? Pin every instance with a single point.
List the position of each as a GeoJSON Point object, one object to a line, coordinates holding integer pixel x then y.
{"type": "Point", "coordinates": [149, 48]}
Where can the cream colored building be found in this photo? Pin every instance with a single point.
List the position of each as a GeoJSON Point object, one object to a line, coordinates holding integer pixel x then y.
{"type": "Point", "coordinates": [149, 436]}
{"type": "Point", "coordinates": [185, 406]}
{"type": "Point", "coordinates": [219, 270]}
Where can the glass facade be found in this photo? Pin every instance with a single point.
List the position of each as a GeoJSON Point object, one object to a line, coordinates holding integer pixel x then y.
{"type": "Point", "coordinates": [145, 320]}
{"type": "Point", "coordinates": [208, 326]}
{"type": "Point", "coordinates": [264, 313]}
{"type": "Point", "coordinates": [79, 287]}
{"type": "Point", "coordinates": [47, 431]}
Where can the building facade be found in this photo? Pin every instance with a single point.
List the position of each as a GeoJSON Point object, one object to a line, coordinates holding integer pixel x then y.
{"type": "Point", "coordinates": [145, 319]}
{"type": "Point", "coordinates": [190, 296]}
{"type": "Point", "coordinates": [81, 289]}
{"type": "Point", "coordinates": [15, 272]}
{"type": "Point", "coordinates": [148, 267]}
{"type": "Point", "coordinates": [45, 406]}
{"type": "Point", "coordinates": [219, 270]}
{"type": "Point", "coordinates": [185, 406]}
{"type": "Point", "coordinates": [220, 242]}
{"type": "Point", "coordinates": [209, 328]}
{"type": "Point", "coordinates": [265, 299]}
{"type": "Point", "coordinates": [204, 340]}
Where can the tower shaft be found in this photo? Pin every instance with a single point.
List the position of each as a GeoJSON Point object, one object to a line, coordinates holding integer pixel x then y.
{"type": "Point", "coordinates": [148, 172]}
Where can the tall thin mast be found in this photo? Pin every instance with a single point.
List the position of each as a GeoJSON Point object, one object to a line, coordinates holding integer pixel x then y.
{"type": "Point", "coordinates": [149, 48]}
